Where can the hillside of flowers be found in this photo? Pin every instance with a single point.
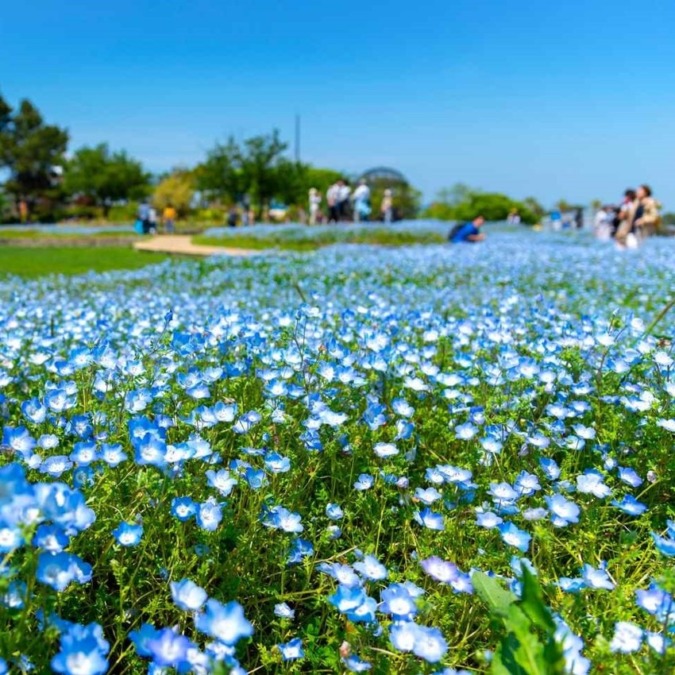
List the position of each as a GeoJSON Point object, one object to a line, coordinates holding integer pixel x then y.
{"type": "Point", "coordinates": [319, 463]}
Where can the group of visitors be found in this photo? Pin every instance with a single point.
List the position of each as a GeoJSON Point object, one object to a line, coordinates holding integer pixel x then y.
{"type": "Point", "coordinates": [345, 205]}
{"type": "Point", "coordinates": [636, 218]}
{"type": "Point", "coordinates": [146, 219]}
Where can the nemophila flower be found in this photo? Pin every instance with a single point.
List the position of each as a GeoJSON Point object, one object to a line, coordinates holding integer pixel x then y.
{"type": "Point", "coordinates": [187, 595]}
{"type": "Point", "coordinates": [428, 495]}
{"type": "Point", "coordinates": [597, 578]}
{"type": "Point", "coordinates": [84, 453]}
{"type": "Point", "coordinates": [426, 643]}
{"type": "Point", "coordinates": [48, 441]}
{"type": "Point", "coordinates": [334, 512]}
{"type": "Point", "coordinates": [343, 574]}
{"type": "Point", "coordinates": [627, 637]}
{"type": "Point", "coordinates": [502, 492]}
{"type": "Point", "coordinates": [365, 612]}
{"type": "Point", "coordinates": [550, 468]}
{"type": "Point", "coordinates": [275, 463]}
{"type": "Point", "coordinates": [364, 482]}
{"type": "Point", "coordinates": [401, 407]}
{"type": "Point", "coordinates": [427, 518]}
{"type": "Point", "coordinates": [255, 478]}
{"type": "Point", "coordinates": [280, 518]}
{"type": "Point", "coordinates": [630, 477]}
{"type": "Point", "coordinates": [283, 611]}
{"type": "Point", "coordinates": [15, 595]}
{"type": "Point", "coordinates": [466, 431]}
{"type": "Point", "coordinates": [59, 570]}
{"type": "Point", "coordinates": [664, 545]}
{"type": "Point", "coordinates": [563, 511]}
{"type": "Point", "coordinates": [538, 513]}
{"type": "Point", "coordinates": [226, 623]}
{"type": "Point", "coordinates": [514, 536]}
{"type": "Point", "coordinates": [355, 664]}
{"type": "Point", "coordinates": [398, 603]}
{"type": "Point", "coordinates": [168, 649]}
{"type": "Point", "coordinates": [488, 519]}
{"type": "Point", "coordinates": [657, 602]}
{"type": "Point", "coordinates": [56, 465]}
{"type": "Point", "coordinates": [630, 505]}
{"type": "Point", "coordinates": [292, 650]}
{"type": "Point", "coordinates": [527, 484]}
{"type": "Point", "coordinates": [183, 508]}
{"type": "Point", "coordinates": [300, 549]}
{"type": "Point", "coordinates": [668, 425]}
{"type": "Point", "coordinates": [371, 568]}
{"type": "Point", "coordinates": [51, 538]}
{"type": "Point", "coordinates": [34, 411]}
{"type": "Point", "coordinates": [225, 412]}
{"type": "Point", "coordinates": [347, 598]}
{"type": "Point", "coordinates": [128, 534]}
{"type": "Point", "coordinates": [246, 422]}
{"type": "Point", "coordinates": [591, 482]}
{"type": "Point", "coordinates": [112, 454]}
{"type": "Point", "coordinates": [209, 514]}
{"type": "Point", "coordinates": [221, 480]}
{"type": "Point", "coordinates": [570, 585]}
{"type": "Point", "coordinates": [83, 651]}
{"type": "Point", "coordinates": [384, 450]}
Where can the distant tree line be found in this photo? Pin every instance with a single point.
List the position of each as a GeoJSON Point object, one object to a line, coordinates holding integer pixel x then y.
{"type": "Point", "coordinates": [44, 184]}
{"type": "Point", "coordinates": [462, 202]}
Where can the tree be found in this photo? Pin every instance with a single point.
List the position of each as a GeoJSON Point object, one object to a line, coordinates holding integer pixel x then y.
{"type": "Point", "coordinates": [220, 176]}
{"type": "Point", "coordinates": [30, 150]}
{"type": "Point", "coordinates": [177, 190]}
{"type": "Point", "coordinates": [262, 163]}
{"type": "Point", "coordinates": [464, 203]}
{"type": "Point", "coordinates": [104, 177]}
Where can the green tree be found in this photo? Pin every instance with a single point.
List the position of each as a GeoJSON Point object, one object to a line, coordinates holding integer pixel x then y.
{"type": "Point", "coordinates": [30, 150]}
{"type": "Point", "coordinates": [464, 203]}
{"type": "Point", "coordinates": [176, 189]}
{"type": "Point", "coordinates": [105, 177]}
{"type": "Point", "coordinates": [220, 176]}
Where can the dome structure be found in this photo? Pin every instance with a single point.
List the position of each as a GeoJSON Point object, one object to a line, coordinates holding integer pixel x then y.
{"type": "Point", "coordinates": [383, 174]}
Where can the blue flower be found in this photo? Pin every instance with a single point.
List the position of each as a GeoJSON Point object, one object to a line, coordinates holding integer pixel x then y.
{"type": "Point", "coordinates": [226, 623]}
{"type": "Point", "coordinates": [187, 595]}
{"type": "Point", "coordinates": [128, 534]}
{"type": "Point", "coordinates": [59, 570]}
{"type": "Point", "coordinates": [83, 651]}
{"type": "Point", "coordinates": [371, 568]}
{"type": "Point", "coordinates": [292, 650]}
{"type": "Point", "coordinates": [168, 649]}
{"type": "Point", "coordinates": [514, 536]}
{"type": "Point", "coordinates": [183, 508]}
{"type": "Point", "coordinates": [283, 611]}
{"type": "Point", "coordinates": [364, 482]}
{"type": "Point", "coordinates": [429, 519]}
{"type": "Point", "coordinates": [334, 512]}
{"type": "Point", "coordinates": [397, 602]}
{"type": "Point", "coordinates": [627, 637]}
{"type": "Point", "coordinates": [347, 598]}
{"type": "Point", "coordinates": [209, 515]}
{"type": "Point", "coordinates": [630, 505]}
{"type": "Point", "coordinates": [300, 549]}
{"type": "Point", "coordinates": [563, 511]}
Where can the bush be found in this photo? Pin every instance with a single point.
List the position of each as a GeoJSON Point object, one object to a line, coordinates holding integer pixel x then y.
{"type": "Point", "coordinates": [123, 213]}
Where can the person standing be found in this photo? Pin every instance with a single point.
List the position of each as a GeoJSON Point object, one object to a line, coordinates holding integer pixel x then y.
{"type": "Point", "coordinates": [344, 192]}
{"type": "Point", "coordinates": [332, 201]}
{"type": "Point", "coordinates": [314, 206]}
{"type": "Point", "coordinates": [361, 198]}
{"type": "Point", "coordinates": [387, 206]}
{"type": "Point", "coordinates": [169, 218]}
{"type": "Point", "coordinates": [647, 216]}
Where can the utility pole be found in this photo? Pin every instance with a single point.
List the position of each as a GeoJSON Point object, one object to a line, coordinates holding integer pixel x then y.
{"type": "Point", "coordinates": [297, 139]}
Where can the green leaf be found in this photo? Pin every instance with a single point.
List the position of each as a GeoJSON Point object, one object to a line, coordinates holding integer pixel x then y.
{"type": "Point", "coordinates": [490, 591]}
{"type": "Point", "coordinates": [533, 603]}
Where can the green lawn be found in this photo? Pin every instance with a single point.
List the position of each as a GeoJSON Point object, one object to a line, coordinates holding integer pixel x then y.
{"type": "Point", "coordinates": [36, 262]}
{"type": "Point", "coordinates": [310, 240]}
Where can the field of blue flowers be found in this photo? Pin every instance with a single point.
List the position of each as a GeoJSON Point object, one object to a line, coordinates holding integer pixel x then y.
{"type": "Point", "coordinates": [434, 459]}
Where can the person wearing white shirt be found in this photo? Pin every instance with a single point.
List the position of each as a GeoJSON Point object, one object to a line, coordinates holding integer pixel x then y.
{"type": "Point", "coordinates": [361, 199]}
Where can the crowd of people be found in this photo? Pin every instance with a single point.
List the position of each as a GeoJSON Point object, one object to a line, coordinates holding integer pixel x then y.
{"type": "Point", "coordinates": [345, 205]}
{"type": "Point", "coordinates": [636, 218]}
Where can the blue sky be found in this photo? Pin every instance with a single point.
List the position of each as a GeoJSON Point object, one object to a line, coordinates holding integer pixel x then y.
{"type": "Point", "coordinates": [552, 99]}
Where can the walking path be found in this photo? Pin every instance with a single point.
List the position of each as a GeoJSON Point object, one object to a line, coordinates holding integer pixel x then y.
{"type": "Point", "coordinates": [181, 244]}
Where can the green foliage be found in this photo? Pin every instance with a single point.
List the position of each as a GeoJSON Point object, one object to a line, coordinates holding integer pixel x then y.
{"type": "Point", "coordinates": [36, 262]}
{"type": "Point", "coordinates": [175, 190]}
{"type": "Point", "coordinates": [123, 213]}
{"type": "Point", "coordinates": [461, 202]}
{"type": "Point", "coordinates": [29, 150]}
{"type": "Point", "coordinates": [668, 219]}
{"type": "Point", "coordinates": [528, 645]}
{"type": "Point", "coordinates": [105, 177]}
{"type": "Point", "coordinates": [310, 239]}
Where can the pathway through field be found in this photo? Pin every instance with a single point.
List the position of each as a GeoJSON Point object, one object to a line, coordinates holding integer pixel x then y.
{"type": "Point", "coordinates": [182, 244]}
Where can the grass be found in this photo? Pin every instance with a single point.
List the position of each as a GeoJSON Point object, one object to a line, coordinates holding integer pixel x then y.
{"type": "Point", "coordinates": [36, 262]}
{"type": "Point", "coordinates": [310, 240]}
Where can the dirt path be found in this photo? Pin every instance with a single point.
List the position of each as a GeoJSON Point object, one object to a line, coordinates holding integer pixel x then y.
{"type": "Point", "coordinates": [182, 244]}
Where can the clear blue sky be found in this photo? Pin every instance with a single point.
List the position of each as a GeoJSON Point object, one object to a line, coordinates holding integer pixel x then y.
{"type": "Point", "coordinates": [531, 97]}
